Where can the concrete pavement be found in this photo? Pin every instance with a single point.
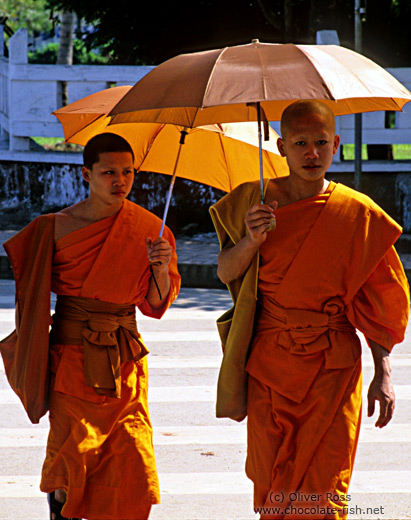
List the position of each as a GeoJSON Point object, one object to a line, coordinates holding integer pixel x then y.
{"type": "Point", "coordinates": [197, 259]}
{"type": "Point", "coordinates": [201, 458]}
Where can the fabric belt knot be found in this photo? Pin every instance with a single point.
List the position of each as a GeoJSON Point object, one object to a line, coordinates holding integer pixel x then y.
{"type": "Point", "coordinates": [305, 332]}
{"type": "Point", "coordinates": [109, 334]}
{"type": "Point", "coordinates": [291, 346]}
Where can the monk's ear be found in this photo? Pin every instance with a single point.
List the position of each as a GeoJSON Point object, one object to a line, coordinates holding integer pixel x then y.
{"type": "Point", "coordinates": [336, 144]}
{"type": "Point", "coordinates": [85, 172]}
{"type": "Point", "coordinates": [280, 146]}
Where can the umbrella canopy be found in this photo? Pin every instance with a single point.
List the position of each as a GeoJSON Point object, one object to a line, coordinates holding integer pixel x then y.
{"type": "Point", "coordinates": [222, 156]}
{"type": "Point", "coordinates": [81, 114]}
{"type": "Point", "coordinates": [222, 85]}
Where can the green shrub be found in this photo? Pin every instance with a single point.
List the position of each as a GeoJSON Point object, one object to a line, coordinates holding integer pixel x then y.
{"type": "Point", "coordinates": [81, 56]}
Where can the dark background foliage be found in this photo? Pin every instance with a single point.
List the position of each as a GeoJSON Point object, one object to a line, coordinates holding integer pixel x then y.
{"type": "Point", "coordinates": [141, 32]}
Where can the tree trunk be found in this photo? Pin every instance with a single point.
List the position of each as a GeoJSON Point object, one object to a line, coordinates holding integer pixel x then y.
{"type": "Point", "coordinates": [288, 20]}
{"type": "Point", "coordinates": [65, 52]}
{"type": "Point", "coordinates": [296, 14]}
{"type": "Point", "coordinates": [324, 16]}
{"type": "Point", "coordinates": [270, 14]}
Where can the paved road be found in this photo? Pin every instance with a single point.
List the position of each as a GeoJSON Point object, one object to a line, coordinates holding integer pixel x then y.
{"type": "Point", "coordinates": [201, 459]}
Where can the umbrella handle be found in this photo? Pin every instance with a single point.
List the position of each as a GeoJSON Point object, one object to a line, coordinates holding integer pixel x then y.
{"type": "Point", "coordinates": [170, 192]}
{"type": "Point", "coordinates": [260, 151]}
{"type": "Point", "coordinates": [272, 224]}
{"type": "Point", "coordinates": [173, 179]}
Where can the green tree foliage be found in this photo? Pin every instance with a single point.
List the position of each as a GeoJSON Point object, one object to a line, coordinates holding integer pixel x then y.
{"type": "Point", "coordinates": [39, 17]}
{"type": "Point", "coordinates": [34, 15]}
{"type": "Point", "coordinates": [143, 32]}
{"type": "Point", "coordinates": [150, 32]}
{"type": "Point", "coordinates": [81, 56]}
{"type": "Point", "coordinates": [387, 35]}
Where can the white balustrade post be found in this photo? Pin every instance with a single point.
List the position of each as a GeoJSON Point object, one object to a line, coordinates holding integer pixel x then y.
{"type": "Point", "coordinates": [18, 45]}
{"type": "Point", "coordinates": [2, 132]}
{"type": "Point", "coordinates": [326, 37]}
{"type": "Point", "coordinates": [1, 39]}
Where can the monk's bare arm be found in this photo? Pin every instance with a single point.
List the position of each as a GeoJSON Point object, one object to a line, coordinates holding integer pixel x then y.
{"type": "Point", "coordinates": [234, 261]}
{"type": "Point", "coordinates": [159, 254]}
{"type": "Point", "coordinates": [381, 388]}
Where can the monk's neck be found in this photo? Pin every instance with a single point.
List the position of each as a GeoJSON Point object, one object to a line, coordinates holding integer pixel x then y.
{"type": "Point", "coordinates": [294, 190]}
{"type": "Point", "coordinates": [94, 210]}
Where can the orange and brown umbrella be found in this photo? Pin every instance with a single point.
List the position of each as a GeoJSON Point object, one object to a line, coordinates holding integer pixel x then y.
{"type": "Point", "coordinates": [222, 85]}
{"type": "Point", "coordinates": [220, 155]}
{"type": "Point", "coordinates": [257, 81]}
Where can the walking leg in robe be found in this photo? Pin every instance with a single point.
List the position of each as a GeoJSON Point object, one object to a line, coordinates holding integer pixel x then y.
{"type": "Point", "coordinates": [301, 449]}
{"type": "Point", "coordinates": [106, 464]}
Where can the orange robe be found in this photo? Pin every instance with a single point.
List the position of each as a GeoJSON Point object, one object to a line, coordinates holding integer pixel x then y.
{"type": "Point", "coordinates": [100, 448]}
{"type": "Point", "coordinates": [329, 267]}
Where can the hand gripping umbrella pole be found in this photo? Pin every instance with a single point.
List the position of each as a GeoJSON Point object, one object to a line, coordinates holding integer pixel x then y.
{"type": "Point", "coordinates": [260, 149]}
{"type": "Point", "coordinates": [260, 143]}
{"type": "Point", "coordinates": [173, 179]}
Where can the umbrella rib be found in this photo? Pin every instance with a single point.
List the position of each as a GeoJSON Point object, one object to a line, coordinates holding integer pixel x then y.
{"type": "Point", "coordinates": [359, 78]}
{"type": "Point", "coordinates": [210, 76]}
{"type": "Point", "coordinates": [162, 125]}
{"type": "Point", "coordinates": [263, 76]}
{"type": "Point", "coordinates": [100, 116]}
{"type": "Point", "coordinates": [225, 160]}
{"type": "Point", "coordinates": [317, 72]}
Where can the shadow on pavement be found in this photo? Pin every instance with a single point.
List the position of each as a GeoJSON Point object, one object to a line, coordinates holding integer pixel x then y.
{"type": "Point", "coordinates": [203, 299]}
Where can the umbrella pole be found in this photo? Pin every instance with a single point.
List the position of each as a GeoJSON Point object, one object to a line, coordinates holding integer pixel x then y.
{"type": "Point", "coordinates": [272, 223]}
{"type": "Point", "coordinates": [260, 150]}
{"type": "Point", "coordinates": [173, 179]}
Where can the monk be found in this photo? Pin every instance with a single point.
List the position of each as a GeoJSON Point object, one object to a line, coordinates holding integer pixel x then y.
{"type": "Point", "coordinates": [102, 258]}
{"type": "Point", "coordinates": [292, 358]}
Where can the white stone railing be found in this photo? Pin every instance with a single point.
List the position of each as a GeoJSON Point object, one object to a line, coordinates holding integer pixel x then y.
{"type": "Point", "coordinates": [373, 123]}
{"type": "Point", "coordinates": [28, 92]}
{"type": "Point", "coordinates": [28, 96]}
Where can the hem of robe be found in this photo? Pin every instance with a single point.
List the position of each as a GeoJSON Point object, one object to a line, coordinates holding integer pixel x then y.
{"type": "Point", "coordinates": [105, 464]}
{"type": "Point", "coordinates": [291, 471]}
{"type": "Point", "coordinates": [140, 513]}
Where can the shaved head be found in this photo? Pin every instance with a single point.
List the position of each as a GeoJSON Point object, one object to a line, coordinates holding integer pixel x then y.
{"type": "Point", "coordinates": [302, 108]}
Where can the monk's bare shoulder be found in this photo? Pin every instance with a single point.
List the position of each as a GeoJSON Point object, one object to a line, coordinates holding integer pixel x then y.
{"type": "Point", "coordinates": [68, 220]}
{"type": "Point", "coordinates": [278, 190]}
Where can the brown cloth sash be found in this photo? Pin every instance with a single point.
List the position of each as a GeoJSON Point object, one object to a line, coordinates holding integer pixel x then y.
{"type": "Point", "coordinates": [291, 346]}
{"type": "Point", "coordinates": [304, 332]}
{"type": "Point", "coordinates": [108, 332]}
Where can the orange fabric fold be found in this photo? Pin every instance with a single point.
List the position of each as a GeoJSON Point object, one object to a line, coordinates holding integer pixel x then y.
{"type": "Point", "coordinates": [338, 243]}
{"type": "Point", "coordinates": [114, 268]}
{"type": "Point", "coordinates": [26, 351]}
{"type": "Point", "coordinates": [327, 269]}
{"type": "Point", "coordinates": [107, 260]}
{"type": "Point", "coordinates": [100, 449]}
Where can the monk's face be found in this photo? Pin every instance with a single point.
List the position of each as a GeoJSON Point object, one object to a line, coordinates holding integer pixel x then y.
{"type": "Point", "coordinates": [309, 145]}
{"type": "Point", "coordinates": [111, 178]}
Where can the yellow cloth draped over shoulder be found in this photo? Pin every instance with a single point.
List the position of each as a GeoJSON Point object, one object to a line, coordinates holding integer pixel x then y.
{"type": "Point", "coordinates": [292, 359]}
{"type": "Point", "coordinates": [92, 375]}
